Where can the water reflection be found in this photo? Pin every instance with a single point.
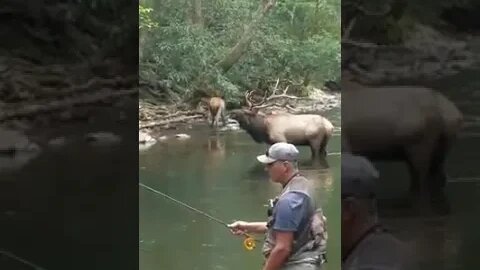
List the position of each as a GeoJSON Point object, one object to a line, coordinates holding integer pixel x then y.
{"type": "Point", "coordinates": [215, 154]}
{"type": "Point", "coordinates": [322, 178]}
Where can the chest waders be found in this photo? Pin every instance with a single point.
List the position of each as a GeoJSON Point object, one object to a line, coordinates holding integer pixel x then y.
{"type": "Point", "coordinates": [309, 244]}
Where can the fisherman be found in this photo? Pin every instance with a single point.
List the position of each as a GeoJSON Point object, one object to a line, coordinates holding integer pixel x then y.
{"type": "Point", "coordinates": [295, 231]}
{"type": "Point", "coordinates": [366, 244]}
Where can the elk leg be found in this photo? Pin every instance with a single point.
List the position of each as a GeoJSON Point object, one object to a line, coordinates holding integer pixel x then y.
{"type": "Point", "coordinates": [218, 116]}
{"type": "Point", "coordinates": [438, 177]}
{"type": "Point", "coordinates": [314, 151]}
{"type": "Point", "coordinates": [224, 118]}
{"type": "Point", "coordinates": [323, 146]}
{"type": "Point", "coordinates": [437, 165]}
{"type": "Point", "coordinates": [210, 118]}
{"type": "Point", "coordinates": [418, 159]}
{"type": "Point", "coordinates": [315, 146]}
{"type": "Point", "coordinates": [214, 118]}
{"type": "Point", "coordinates": [418, 163]}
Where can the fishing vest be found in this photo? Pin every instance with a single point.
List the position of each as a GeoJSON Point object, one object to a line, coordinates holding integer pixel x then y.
{"type": "Point", "coordinates": [309, 243]}
{"type": "Point", "coordinates": [379, 249]}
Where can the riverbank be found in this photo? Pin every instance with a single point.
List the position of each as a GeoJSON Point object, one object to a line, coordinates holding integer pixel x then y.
{"type": "Point", "coordinates": [157, 120]}
{"type": "Point", "coordinates": [51, 105]}
{"type": "Point", "coordinates": [425, 54]}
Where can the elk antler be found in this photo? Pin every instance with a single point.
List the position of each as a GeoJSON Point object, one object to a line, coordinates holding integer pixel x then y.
{"type": "Point", "coordinates": [263, 104]}
{"type": "Point", "coordinates": [250, 102]}
{"type": "Point", "coordinates": [247, 99]}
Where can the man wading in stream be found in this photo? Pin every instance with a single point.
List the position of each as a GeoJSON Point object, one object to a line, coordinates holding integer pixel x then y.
{"type": "Point", "coordinates": [295, 231]}
{"type": "Point", "coordinates": [365, 243]}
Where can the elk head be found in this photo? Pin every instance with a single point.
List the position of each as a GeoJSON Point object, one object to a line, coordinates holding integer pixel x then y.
{"type": "Point", "coordinates": [248, 114]}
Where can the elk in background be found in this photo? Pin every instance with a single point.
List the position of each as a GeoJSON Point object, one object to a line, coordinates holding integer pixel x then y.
{"type": "Point", "coordinates": [216, 110]}
{"type": "Point", "coordinates": [298, 129]}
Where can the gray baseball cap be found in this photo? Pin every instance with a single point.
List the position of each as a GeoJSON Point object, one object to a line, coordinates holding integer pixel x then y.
{"type": "Point", "coordinates": [279, 151]}
{"type": "Point", "coordinates": [358, 176]}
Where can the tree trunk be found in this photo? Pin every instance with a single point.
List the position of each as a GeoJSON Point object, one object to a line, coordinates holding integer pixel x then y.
{"type": "Point", "coordinates": [197, 13]}
{"type": "Point", "coordinates": [239, 49]}
{"type": "Point", "coordinates": [306, 79]}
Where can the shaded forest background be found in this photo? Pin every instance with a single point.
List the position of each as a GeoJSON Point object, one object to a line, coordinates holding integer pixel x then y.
{"type": "Point", "coordinates": [195, 48]}
{"type": "Point", "coordinates": [392, 21]}
{"type": "Point", "coordinates": [59, 50]}
{"type": "Point", "coordinates": [61, 60]}
{"type": "Point", "coordinates": [404, 40]}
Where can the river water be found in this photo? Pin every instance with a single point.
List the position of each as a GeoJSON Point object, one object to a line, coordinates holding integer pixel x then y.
{"type": "Point", "coordinates": [218, 173]}
{"type": "Point", "coordinates": [52, 203]}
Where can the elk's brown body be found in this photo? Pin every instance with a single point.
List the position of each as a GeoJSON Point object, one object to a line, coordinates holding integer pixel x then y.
{"type": "Point", "coordinates": [413, 124]}
{"type": "Point", "coordinates": [298, 129]}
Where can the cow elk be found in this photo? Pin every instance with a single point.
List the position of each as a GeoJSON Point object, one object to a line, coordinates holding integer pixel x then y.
{"type": "Point", "coordinates": [216, 110]}
{"type": "Point", "coordinates": [298, 129]}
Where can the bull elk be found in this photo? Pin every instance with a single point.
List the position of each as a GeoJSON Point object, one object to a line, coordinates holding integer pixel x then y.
{"type": "Point", "coordinates": [298, 129]}
{"type": "Point", "coordinates": [216, 110]}
{"type": "Point", "coordinates": [412, 124]}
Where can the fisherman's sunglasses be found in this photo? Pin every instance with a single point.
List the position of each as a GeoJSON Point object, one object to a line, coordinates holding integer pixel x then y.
{"type": "Point", "coordinates": [276, 161]}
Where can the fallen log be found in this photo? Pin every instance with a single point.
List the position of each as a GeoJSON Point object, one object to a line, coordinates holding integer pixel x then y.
{"type": "Point", "coordinates": [33, 109]}
{"type": "Point", "coordinates": [181, 113]}
{"type": "Point", "coordinates": [170, 121]}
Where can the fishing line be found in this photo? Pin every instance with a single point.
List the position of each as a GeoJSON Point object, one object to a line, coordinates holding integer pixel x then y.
{"type": "Point", "coordinates": [185, 205]}
{"type": "Point", "coordinates": [249, 242]}
{"type": "Point", "coordinates": [15, 257]}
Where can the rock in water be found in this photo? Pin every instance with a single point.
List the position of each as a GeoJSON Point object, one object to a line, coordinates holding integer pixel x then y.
{"type": "Point", "coordinates": [145, 146]}
{"type": "Point", "coordinates": [182, 136]}
{"type": "Point", "coordinates": [12, 141]}
{"type": "Point", "coordinates": [16, 150]}
{"type": "Point", "coordinates": [233, 127]}
{"type": "Point", "coordinates": [56, 142]}
{"type": "Point", "coordinates": [232, 122]}
{"type": "Point", "coordinates": [230, 126]}
{"type": "Point", "coordinates": [145, 141]}
{"type": "Point", "coordinates": [144, 137]}
{"type": "Point", "coordinates": [102, 138]}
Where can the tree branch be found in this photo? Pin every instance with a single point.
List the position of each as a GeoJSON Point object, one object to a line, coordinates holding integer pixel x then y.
{"type": "Point", "coordinates": [239, 49]}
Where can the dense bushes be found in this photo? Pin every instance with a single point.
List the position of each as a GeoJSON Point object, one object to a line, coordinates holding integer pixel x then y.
{"type": "Point", "coordinates": [194, 48]}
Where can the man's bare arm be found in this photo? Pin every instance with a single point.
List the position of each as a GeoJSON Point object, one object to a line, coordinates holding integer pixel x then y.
{"type": "Point", "coordinates": [240, 227]}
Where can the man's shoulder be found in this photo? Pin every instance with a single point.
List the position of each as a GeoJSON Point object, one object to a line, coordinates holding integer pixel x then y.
{"type": "Point", "coordinates": [290, 211]}
{"type": "Point", "coordinates": [293, 198]}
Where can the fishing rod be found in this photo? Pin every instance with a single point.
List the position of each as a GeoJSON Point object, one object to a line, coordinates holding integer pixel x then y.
{"type": "Point", "coordinates": [249, 242]}
{"type": "Point", "coordinates": [18, 259]}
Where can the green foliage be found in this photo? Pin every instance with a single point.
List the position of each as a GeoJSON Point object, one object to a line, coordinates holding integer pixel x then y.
{"type": "Point", "coordinates": [145, 21]}
{"type": "Point", "coordinates": [297, 41]}
{"type": "Point", "coordinates": [394, 27]}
